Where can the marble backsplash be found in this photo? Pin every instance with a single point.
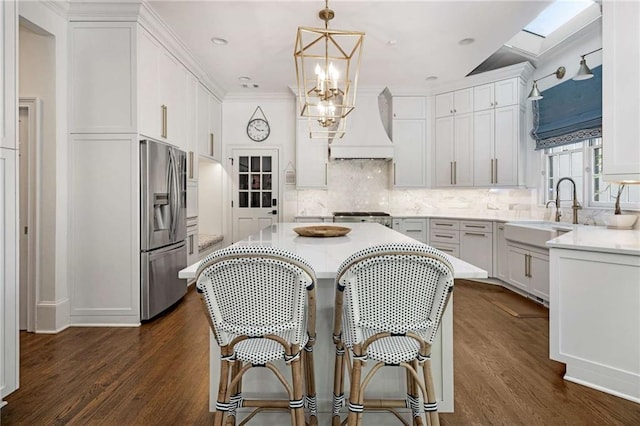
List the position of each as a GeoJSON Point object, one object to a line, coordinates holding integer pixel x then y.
{"type": "Point", "coordinates": [364, 185]}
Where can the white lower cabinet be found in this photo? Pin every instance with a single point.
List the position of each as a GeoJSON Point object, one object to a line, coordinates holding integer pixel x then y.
{"type": "Point", "coordinates": [476, 244]}
{"type": "Point", "coordinates": [415, 228]}
{"type": "Point", "coordinates": [500, 260]}
{"type": "Point", "coordinates": [444, 236]}
{"type": "Point", "coordinates": [528, 269]}
{"type": "Point", "coordinates": [9, 338]}
{"type": "Point", "coordinates": [192, 244]}
{"type": "Point", "coordinates": [192, 200]}
{"type": "Point", "coordinates": [104, 237]}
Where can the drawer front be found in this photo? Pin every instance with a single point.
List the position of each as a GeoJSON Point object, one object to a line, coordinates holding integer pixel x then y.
{"type": "Point", "coordinates": [450, 249]}
{"type": "Point", "coordinates": [445, 224]}
{"type": "Point", "coordinates": [444, 236]}
{"type": "Point", "coordinates": [476, 226]}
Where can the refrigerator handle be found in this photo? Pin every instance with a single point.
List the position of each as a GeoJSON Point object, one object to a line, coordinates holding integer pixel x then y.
{"type": "Point", "coordinates": [176, 193]}
{"type": "Point", "coordinates": [172, 203]}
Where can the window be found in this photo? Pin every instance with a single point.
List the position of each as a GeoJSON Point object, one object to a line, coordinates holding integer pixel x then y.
{"type": "Point", "coordinates": [582, 161]}
{"type": "Point", "coordinates": [555, 15]}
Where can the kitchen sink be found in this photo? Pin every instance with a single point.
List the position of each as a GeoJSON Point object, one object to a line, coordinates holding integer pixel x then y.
{"type": "Point", "coordinates": [535, 233]}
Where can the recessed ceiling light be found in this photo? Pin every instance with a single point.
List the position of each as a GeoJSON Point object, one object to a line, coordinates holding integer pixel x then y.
{"type": "Point", "coordinates": [255, 86]}
{"type": "Point", "coordinates": [431, 78]}
{"type": "Point", "coordinates": [219, 41]}
{"type": "Point", "coordinates": [392, 42]}
{"type": "Point", "coordinates": [466, 41]}
{"type": "Point", "coordinates": [244, 78]}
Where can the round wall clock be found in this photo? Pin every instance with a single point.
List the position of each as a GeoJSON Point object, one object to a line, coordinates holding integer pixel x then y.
{"type": "Point", "coordinates": [258, 128]}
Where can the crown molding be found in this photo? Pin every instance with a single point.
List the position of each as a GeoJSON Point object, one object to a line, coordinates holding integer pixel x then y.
{"type": "Point", "coordinates": [103, 11]}
{"type": "Point", "coordinates": [60, 8]}
{"type": "Point", "coordinates": [152, 22]}
{"type": "Point", "coordinates": [141, 12]}
{"type": "Point", "coordinates": [524, 70]}
{"type": "Point", "coordinates": [266, 96]}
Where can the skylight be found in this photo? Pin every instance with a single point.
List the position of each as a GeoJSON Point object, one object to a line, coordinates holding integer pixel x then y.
{"type": "Point", "coordinates": [555, 15]}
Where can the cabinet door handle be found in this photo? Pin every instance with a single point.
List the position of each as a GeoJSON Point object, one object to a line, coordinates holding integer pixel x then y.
{"type": "Point", "coordinates": [445, 250]}
{"type": "Point", "coordinates": [475, 234]}
{"type": "Point", "coordinates": [527, 265]}
{"type": "Point", "coordinates": [394, 173]}
{"type": "Point", "coordinates": [501, 228]}
{"type": "Point", "coordinates": [211, 143]}
{"type": "Point", "coordinates": [190, 244]}
{"type": "Point", "coordinates": [326, 173]}
{"type": "Point", "coordinates": [475, 226]}
{"type": "Point", "coordinates": [443, 236]}
{"type": "Point", "coordinates": [164, 121]}
{"type": "Point", "coordinates": [451, 172]}
{"type": "Point", "coordinates": [492, 170]}
{"type": "Point", "coordinates": [495, 170]}
{"type": "Point", "coordinates": [455, 172]}
{"type": "Point", "coordinates": [190, 164]}
{"type": "Point", "coordinates": [443, 224]}
{"type": "Point", "coordinates": [530, 274]}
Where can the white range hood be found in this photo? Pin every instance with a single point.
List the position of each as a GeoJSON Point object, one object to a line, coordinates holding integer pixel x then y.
{"type": "Point", "coordinates": [365, 136]}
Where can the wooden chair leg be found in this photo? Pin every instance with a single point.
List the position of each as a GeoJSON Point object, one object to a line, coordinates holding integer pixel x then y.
{"type": "Point", "coordinates": [310, 383]}
{"type": "Point", "coordinates": [354, 393]}
{"type": "Point", "coordinates": [431, 406]}
{"type": "Point", "coordinates": [412, 395]}
{"type": "Point", "coordinates": [219, 415]}
{"type": "Point", "coordinates": [338, 385]}
{"type": "Point", "coordinates": [236, 394]}
{"type": "Point", "coordinates": [296, 375]}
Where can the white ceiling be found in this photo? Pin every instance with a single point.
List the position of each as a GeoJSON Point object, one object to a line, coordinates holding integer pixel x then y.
{"type": "Point", "coordinates": [405, 41]}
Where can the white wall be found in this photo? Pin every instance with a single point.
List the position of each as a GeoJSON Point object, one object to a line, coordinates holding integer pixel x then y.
{"type": "Point", "coordinates": [279, 110]}
{"type": "Point", "coordinates": [53, 307]}
{"type": "Point", "coordinates": [568, 55]}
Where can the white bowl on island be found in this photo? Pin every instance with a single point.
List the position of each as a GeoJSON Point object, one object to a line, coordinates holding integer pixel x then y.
{"type": "Point", "coordinates": [620, 221]}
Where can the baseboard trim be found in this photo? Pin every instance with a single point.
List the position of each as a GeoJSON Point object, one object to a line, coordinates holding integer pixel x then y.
{"type": "Point", "coordinates": [52, 316]}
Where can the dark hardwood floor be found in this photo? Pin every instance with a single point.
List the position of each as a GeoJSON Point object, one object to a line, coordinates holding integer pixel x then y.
{"type": "Point", "coordinates": [158, 373]}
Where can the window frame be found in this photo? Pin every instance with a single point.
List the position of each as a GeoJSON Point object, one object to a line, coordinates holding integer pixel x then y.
{"type": "Point", "coordinates": [588, 148]}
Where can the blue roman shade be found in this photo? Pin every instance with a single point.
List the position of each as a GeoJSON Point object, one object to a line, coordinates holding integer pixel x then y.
{"type": "Point", "coordinates": [569, 112]}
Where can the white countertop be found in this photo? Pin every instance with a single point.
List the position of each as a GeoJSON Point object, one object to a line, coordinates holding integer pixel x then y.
{"type": "Point", "coordinates": [326, 254]}
{"type": "Point", "coordinates": [601, 239]}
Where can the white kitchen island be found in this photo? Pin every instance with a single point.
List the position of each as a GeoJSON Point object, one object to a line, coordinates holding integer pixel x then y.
{"type": "Point", "coordinates": [326, 255]}
{"type": "Point", "coordinates": [594, 315]}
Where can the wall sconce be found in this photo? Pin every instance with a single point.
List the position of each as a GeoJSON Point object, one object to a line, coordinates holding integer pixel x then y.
{"type": "Point", "coordinates": [535, 94]}
{"type": "Point", "coordinates": [584, 73]}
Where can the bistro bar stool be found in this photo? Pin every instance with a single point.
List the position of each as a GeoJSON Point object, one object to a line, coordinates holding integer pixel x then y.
{"type": "Point", "coordinates": [260, 302]}
{"type": "Point", "coordinates": [388, 304]}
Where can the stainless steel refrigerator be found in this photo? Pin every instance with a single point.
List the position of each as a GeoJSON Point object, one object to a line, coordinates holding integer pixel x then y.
{"type": "Point", "coordinates": [163, 227]}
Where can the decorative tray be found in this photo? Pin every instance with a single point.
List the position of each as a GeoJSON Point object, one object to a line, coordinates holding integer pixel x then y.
{"type": "Point", "coordinates": [322, 231]}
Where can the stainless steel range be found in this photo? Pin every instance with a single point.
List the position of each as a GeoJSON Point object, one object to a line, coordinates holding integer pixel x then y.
{"type": "Point", "coordinates": [376, 217]}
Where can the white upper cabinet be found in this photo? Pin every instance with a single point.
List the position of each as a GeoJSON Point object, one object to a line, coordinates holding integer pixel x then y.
{"type": "Point", "coordinates": [103, 71]}
{"type": "Point", "coordinates": [209, 117]}
{"type": "Point", "coordinates": [454, 150]}
{"type": "Point", "coordinates": [451, 103]}
{"type": "Point", "coordinates": [192, 128]}
{"type": "Point", "coordinates": [215, 128]}
{"type": "Point", "coordinates": [409, 138]}
{"type": "Point", "coordinates": [495, 95]}
{"type": "Point", "coordinates": [495, 146]}
{"type": "Point", "coordinates": [409, 153]}
{"type": "Point", "coordinates": [150, 116]}
{"type": "Point", "coordinates": [312, 159]}
{"type": "Point", "coordinates": [620, 88]}
{"type": "Point", "coordinates": [409, 107]}
{"type": "Point", "coordinates": [162, 92]}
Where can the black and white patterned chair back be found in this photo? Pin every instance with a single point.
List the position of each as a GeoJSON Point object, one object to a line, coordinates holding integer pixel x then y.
{"type": "Point", "coordinates": [255, 291]}
{"type": "Point", "coordinates": [394, 288]}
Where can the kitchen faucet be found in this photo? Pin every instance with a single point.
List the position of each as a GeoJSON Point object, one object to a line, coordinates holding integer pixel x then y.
{"type": "Point", "coordinates": [575, 206]}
